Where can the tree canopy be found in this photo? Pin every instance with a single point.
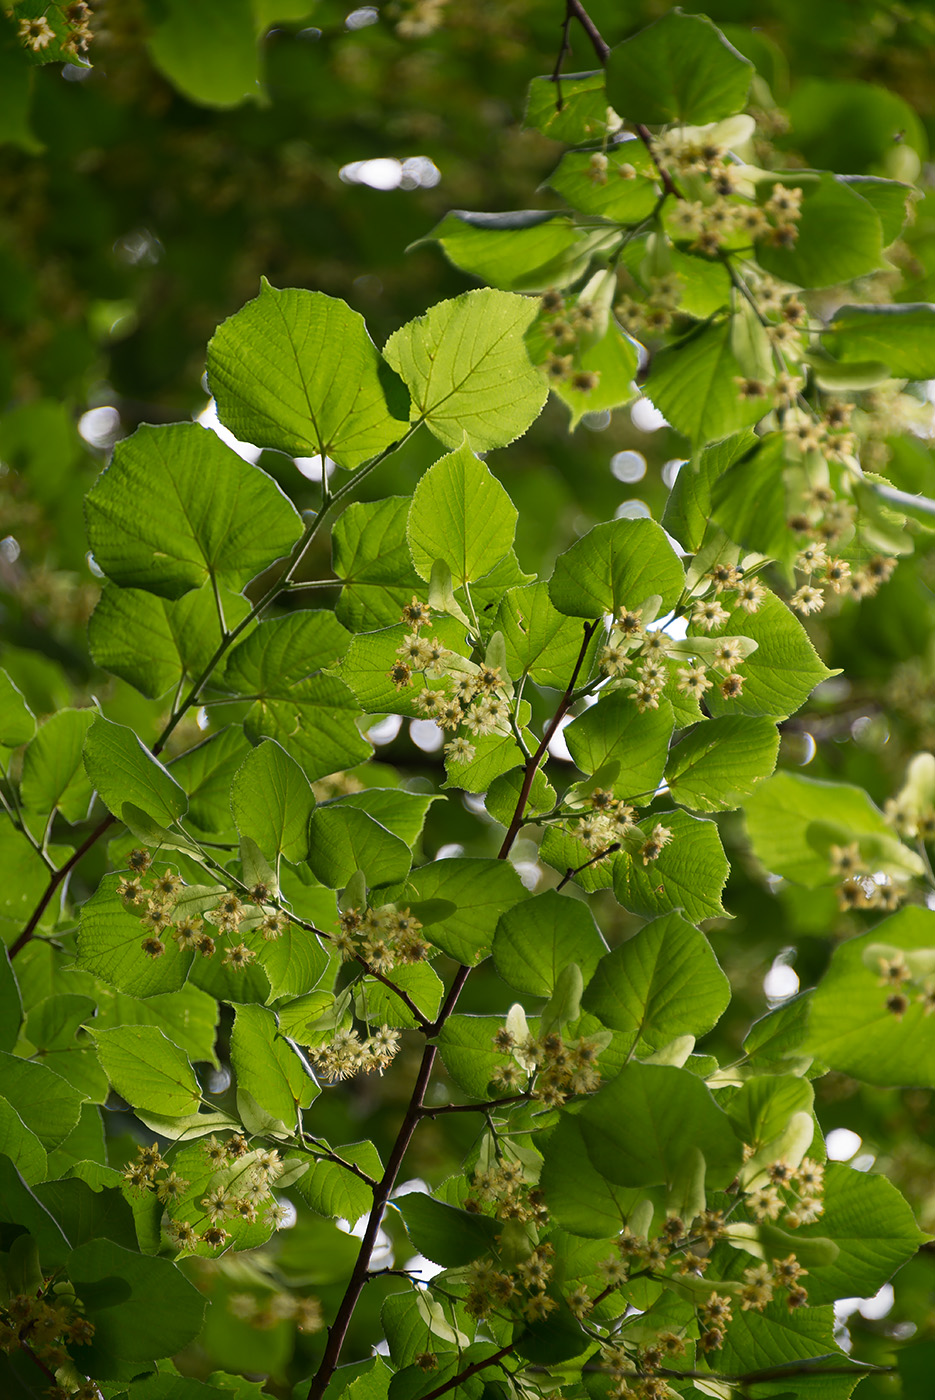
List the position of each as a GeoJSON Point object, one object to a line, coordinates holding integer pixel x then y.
{"type": "Point", "coordinates": [467, 700]}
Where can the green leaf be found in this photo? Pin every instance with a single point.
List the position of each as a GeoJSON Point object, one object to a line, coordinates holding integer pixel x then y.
{"type": "Point", "coordinates": [148, 1069]}
{"type": "Point", "coordinates": [524, 251]}
{"type": "Point", "coordinates": [109, 939]}
{"type": "Point", "coordinates": [717, 763]}
{"type": "Point", "coordinates": [370, 555]}
{"type": "Point", "coordinates": [689, 873]}
{"type": "Point", "coordinates": [332, 1190]}
{"type": "Point", "coordinates": [851, 125]}
{"type": "Point", "coordinates": [310, 715]}
{"type": "Point", "coordinates": [804, 1341]}
{"type": "Point", "coordinates": [122, 770]}
{"type": "Point", "coordinates": [892, 199]}
{"type": "Point", "coordinates": [342, 840]}
{"type": "Point", "coordinates": [502, 797]}
{"type": "Point", "coordinates": [540, 641]}
{"type": "Point", "coordinates": [21, 1145]}
{"type": "Point", "coordinates": [902, 336]}
{"type": "Point", "coordinates": [850, 1026]}
{"type": "Point", "coordinates": [460, 514]}
{"type": "Point", "coordinates": [627, 193]}
{"type": "Point", "coordinates": [11, 1006]}
{"type": "Point", "coordinates": [176, 508]}
{"type": "Point", "coordinates": [783, 671]}
{"type": "Point", "coordinates": [272, 800]}
{"type": "Point", "coordinates": [694, 386]}
{"type": "Point", "coordinates": [680, 69]}
{"type": "Point", "coordinates": [839, 236]}
{"type": "Point", "coordinates": [371, 655]}
{"type": "Point", "coordinates": [793, 820]}
{"type": "Point", "coordinates": [180, 636]}
{"type": "Point", "coordinates": [17, 722]}
{"type": "Point", "coordinates": [211, 58]}
{"type": "Point", "coordinates": [582, 114]}
{"type": "Point", "coordinates": [267, 1068]}
{"type": "Point", "coordinates": [376, 1004]}
{"type": "Point", "coordinates": [873, 1227]}
{"type": "Point", "coordinates": [579, 1198]}
{"type": "Point", "coordinates": [762, 1107]}
{"type": "Point", "coordinates": [468, 370]}
{"type": "Point", "coordinates": [613, 362]}
{"type": "Point", "coordinates": [615, 565]}
{"type": "Point", "coordinates": [47, 1104]}
{"type": "Point", "coordinates": [627, 748]}
{"type": "Point", "coordinates": [188, 1017]}
{"type": "Point", "coordinates": [127, 1327]}
{"type": "Point", "coordinates": [466, 1046]}
{"type": "Point", "coordinates": [400, 811]}
{"type": "Point", "coordinates": [688, 512]}
{"type": "Point", "coordinates": [560, 849]}
{"type": "Point", "coordinates": [129, 634]}
{"type": "Point", "coordinates": [53, 775]}
{"type": "Point", "coordinates": [662, 983]}
{"type": "Point", "coordinates": [442, 1233]}
{"type": "Point", "coordinates": [296, 371]}
{"type": "Point", "coordinates": [639, 1128]}
{"type": "Point", "coordinates": [206, 773]}
{"type": "Point", "coordinates": [537, 939]}
{"type": "Point", "coordinates": [52, 1028]}
{"type": "Point", "coordinates": [463, 900]}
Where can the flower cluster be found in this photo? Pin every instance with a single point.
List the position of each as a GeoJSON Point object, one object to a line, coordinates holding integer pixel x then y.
{"type": "Point", "coordinates": [275, 1307]}
{"type": "Point", "coordinates": [382, 938]}
{"type": "Point", "coordinates": [239, 1189]}
{"type": "Point", "coordinates": [547, 1068]}
{"type": "Point", "coordinates": [348, 1053]}
{"type": "Point", "coordinates": [504, 1192]}
{"type": "Point", "coordinates": [155, 896]}
{"type": "Point", "coordinates": [653, 656]}
{"type": "Point", "coordinates": [721, 220]}
{"type": "Point", "coordinates": [472, 697]}
{"type": "Point", "coordinates": [905, 984]}
{"type": "Point", "coordinates": [793, 1193]}
{"type": "Point", "coordinates": [518, 1292]}
{"type": "Point", "coordinates": [38, 34]}
{"type": "Point", "coordinates": [858, 887]}
{"type": "Point", "coordinates": [45, 1325]}
{"type": "Point", "coordinates": [827, 575]}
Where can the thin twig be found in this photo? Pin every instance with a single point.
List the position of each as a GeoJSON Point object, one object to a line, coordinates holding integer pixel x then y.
{"type": "Point", "coordinates": [472, 1107]}
{"type": "Point", "coordinates": [533, 762]}
{"type": "Point", "coordinates": [469, 1371]}
{"type": "Point", "coordinates": [55, 880]}
{"type": "Point", "coordinates": [572, 871]}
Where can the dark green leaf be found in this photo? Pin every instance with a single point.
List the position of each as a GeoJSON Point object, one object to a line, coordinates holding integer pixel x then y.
{"type": "Point", "coordinates": [639, 1128]}
{"type": "Point", "coordinates": [694, 386]}
{"type": "Point", "coordinates": [680, 69]}
{"type": "Point", "coordinates": [53, 775]}
{"type": "Point", "coordinates": [122, 770]}
{"type": "Point", "coordinates": [47, 1104]}
{"type": "Point", "coordinates": [527, 251]}
{"type": "Point", "coordinates": [343, 839]}
{"type": "Point", "coordinates": [267, 1067]}
{"type": "Point", "coordinates": [443, 1234]}
{"type": "Point", "coordinates": [463, 900]}
{"type": "Point", "coordinates": [903, 336]}
{"type": "Point", "coordinates": [17, 722]}
{"type": "Point", "coordinates": [212, 58]}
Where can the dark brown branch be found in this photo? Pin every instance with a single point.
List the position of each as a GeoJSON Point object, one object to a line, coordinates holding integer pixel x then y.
{"type": "Point", "coordinates": [416, 1111]}
{"type": "Point", "coordinates": [572, 871]}
{"type": "Point", "coordinates": [468, 1371]}
{"type": "Point", "coordinates": [532, 763]}
{"type": "Point", "coordinates": [473, 1107]}
{"type": "Point", "coordinates": [54, 881]}
{"type": "Point", "coordinates": [361, 1271]}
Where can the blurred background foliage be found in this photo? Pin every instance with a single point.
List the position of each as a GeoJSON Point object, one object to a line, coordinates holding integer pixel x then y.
{"type": "Point", "coordinates": [142, 197]}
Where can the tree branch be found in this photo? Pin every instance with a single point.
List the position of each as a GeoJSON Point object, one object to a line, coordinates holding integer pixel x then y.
{"type": "Point", "coordinates": [473, 1107]}
{"type": "Point", "coordinates": [533, 763]}
{"type": "Point", "coordinates": [55, 880]}
{"type": "Point", "coordinates": [468, 1371]}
